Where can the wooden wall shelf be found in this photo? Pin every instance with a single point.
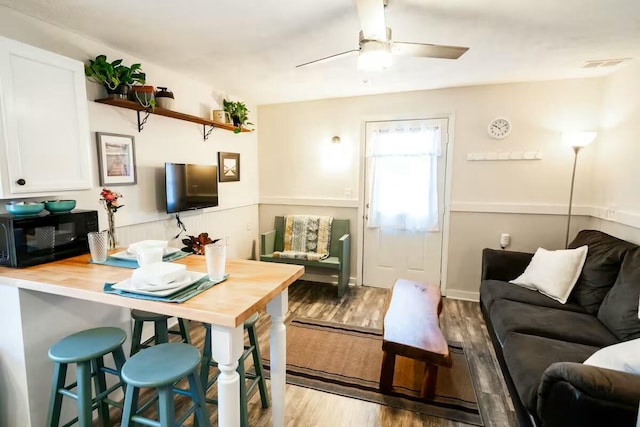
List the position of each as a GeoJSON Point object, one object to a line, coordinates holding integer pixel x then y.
{"type": "Point", "coordinates": [132, 105]}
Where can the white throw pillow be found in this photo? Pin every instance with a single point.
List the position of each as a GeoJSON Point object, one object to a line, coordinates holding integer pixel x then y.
{"type": "Point", "coordinates": [624, 356]}
{"type": "Point", "coordinates": [553, 273]}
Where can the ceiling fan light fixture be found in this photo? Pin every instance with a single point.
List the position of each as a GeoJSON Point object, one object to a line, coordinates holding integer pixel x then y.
{"type": "Point", "coordinates": [374, 55]}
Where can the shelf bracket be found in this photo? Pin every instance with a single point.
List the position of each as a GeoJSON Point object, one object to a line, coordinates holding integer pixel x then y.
{"type": "Point", "coordinates": [144, 120]}
{"type": "Point", "coordinates": [205, 132]}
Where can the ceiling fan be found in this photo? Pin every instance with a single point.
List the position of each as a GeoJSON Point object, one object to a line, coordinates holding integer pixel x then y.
{"type": "Point", "coordinates": [376, 46]}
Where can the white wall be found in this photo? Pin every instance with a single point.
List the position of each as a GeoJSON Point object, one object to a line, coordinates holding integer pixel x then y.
{"type": "Point", "coordinates": [298, 165]}
{"type": "Point", "coordinates": [162, 140]}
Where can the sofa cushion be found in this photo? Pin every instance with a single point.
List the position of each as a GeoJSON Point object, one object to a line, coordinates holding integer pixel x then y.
{"type": "Point", "coordinates": [619, 310]}
{"type": "Point", "coordinates": [528, 356]}
{"type": "Point", "coordinates": [553, 273]}
{"type": "Point", "coordinates": [619, 357]}
{"type": "Point", "coordinates": [494, 290]}
{"type": "Point", "coordinates": [582, 328]}
{"type": "Point", "coordinates": [601, 268]}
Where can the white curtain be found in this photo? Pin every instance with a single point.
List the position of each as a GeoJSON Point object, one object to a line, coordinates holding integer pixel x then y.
{"type": "Point", "coordinates": [404, 165]}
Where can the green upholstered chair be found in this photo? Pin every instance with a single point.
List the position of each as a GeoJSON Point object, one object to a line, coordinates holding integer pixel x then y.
{"type": "Point", "coordinates": [86, 349]}
{"type": "Point", "coordinates": [256, 379]}
{"type": "Point", "coordinates": [161, 330]}
{"type": "Point", "coordinates": [339, 250]}
{"type": "Point", "coordinates": [160, 367]}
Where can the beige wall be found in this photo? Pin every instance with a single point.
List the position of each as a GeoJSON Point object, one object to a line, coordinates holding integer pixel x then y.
{"type": "Point", "coordinates": [299, 165]}
{"type": "Point", "coordinates": [162, 140]}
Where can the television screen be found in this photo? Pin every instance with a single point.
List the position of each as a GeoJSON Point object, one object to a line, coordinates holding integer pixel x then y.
{"type": "Point", "coordinates": [190, 186]}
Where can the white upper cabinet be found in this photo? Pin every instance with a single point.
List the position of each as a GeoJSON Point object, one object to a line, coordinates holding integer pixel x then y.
{"type": "Point", "coordinates": [44, 122]}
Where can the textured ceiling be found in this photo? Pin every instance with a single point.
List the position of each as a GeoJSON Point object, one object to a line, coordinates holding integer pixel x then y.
{"type": "Point", "coordinates": [251, 47]}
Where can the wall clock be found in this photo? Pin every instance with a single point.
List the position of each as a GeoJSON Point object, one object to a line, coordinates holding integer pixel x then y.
{"type": "Point", "coordinates": [499, 128]}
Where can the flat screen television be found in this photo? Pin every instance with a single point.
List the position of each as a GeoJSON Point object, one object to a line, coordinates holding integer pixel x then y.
{"type": "Point", "coordinates": [190, 187]}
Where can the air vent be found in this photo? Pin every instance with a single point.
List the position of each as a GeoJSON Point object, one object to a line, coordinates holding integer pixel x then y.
{"type": "Point", "coordinates": [605, 62]}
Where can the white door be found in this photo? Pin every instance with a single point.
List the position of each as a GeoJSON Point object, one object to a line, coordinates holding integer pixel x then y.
{"type": "Point", "coordinates": [398, 243]}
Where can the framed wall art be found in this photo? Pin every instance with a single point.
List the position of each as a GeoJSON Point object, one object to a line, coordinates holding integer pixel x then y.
{"type": "Point", "coordinates": [116, 159]}
{"type": "Point", "coordinates": [229, 167]}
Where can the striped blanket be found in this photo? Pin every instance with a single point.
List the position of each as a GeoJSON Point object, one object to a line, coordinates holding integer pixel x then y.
{"type": "Point", "coordinates": [306, 237]}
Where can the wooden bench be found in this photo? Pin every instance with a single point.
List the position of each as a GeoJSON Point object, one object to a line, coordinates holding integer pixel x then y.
{"type": "Point", "coordinates": [339, 250]}
{"type": "Point", "coordinates": [412, 330]}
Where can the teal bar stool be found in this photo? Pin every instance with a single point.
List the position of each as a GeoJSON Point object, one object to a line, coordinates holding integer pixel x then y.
{"type": "Point", "coordinates": [87, 350]}
{"type": "Point", "coordinates": [256, 379]}
{"type": "Point", "coordinates": [160, 367]}
{"type": "Point", "coordinates": [161, 330]}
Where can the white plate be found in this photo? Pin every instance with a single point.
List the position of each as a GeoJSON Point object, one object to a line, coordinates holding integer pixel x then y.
{"type": "Point", "coordinates": [125, 255]}
{"type": "Point", "coordinates": [189, 278]}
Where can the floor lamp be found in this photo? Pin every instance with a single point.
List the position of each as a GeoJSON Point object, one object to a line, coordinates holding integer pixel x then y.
{"type": "Point", "coordinates": [577, 140]}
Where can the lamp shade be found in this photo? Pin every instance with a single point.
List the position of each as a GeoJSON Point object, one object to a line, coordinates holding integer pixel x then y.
{"type": "Point", "coordinates": [578, 139]}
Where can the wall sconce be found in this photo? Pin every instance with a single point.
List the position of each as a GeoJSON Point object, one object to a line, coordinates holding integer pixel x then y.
{"type": "Point", "coordinates": [335, 140]}
{"type": "Point", "coordinates": [577, 140]}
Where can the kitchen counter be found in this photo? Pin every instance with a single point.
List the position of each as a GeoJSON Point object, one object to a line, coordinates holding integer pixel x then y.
{"type": "Point", "coordinates": [41, 304]}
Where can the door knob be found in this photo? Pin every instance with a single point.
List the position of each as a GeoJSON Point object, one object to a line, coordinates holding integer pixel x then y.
{"type": "Point", "coordinates": [21, 182]}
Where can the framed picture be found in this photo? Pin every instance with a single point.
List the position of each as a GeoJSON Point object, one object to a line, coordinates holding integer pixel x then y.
{"type": "Point", "coordinates": [229, 166]}
{"type": "Point", "coordinates": [116, 159]}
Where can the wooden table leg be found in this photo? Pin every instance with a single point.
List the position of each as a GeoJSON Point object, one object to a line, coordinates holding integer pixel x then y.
{"type": "Point", "coordinates": [428, 390]}
{"type": "Point", "coordinates": [386, 372]}
{"type": "Point", "coordinates": [277, 309]}
{"type": "Point", "coordinates": [227, 345]}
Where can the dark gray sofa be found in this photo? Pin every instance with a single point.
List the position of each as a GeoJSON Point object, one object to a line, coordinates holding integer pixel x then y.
{"type": "Point", "coordinates": [541, 344]}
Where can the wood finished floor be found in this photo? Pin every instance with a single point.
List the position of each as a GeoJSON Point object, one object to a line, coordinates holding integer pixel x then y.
{"type": "Point", "coordinates": [362, 306]}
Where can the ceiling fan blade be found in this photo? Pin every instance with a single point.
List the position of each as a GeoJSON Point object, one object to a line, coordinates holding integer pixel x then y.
{"type": "Point", "coordinates": [329, 58]}
{"type": "Point", "coordinates": [428, 50]}
{"type": "Point", "coordinates": [372, 23]}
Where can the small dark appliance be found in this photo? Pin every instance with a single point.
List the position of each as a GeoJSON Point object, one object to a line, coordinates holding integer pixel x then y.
{"type": "Point", "coordinates": [36, 239]}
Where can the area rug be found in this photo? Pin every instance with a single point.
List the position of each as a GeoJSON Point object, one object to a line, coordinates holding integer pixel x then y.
{"type": "Point", "coordinates": [345, 360]}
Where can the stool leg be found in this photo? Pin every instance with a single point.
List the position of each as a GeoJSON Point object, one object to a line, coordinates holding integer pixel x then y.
{"type": "Point", "coordinates": [184, 330]}
{"type": "Point", "coordinates": [100, 385]}
{"type": "Point", "coordinates": [136, 338]}
{"type": "Point", "coordinates": [206, 358]}
{"type": "Point", "coordinates": [244, 416]}
{"type": "Point", "coordinates": [428, 390]}
{"type": "Point", "coordinates": [257, 366]}
{"type": "Point", "coordinates": [83, 374]}
{"type": "Point", "coordinates": [386, 372]}
{"type": "Point", "coordinates": [119, 359]}
{"type": "Point", "coordinates": [162, 333]}
{"type": "Point", "coordinates": [55, 400]}
{"type": "Point", "coordinates": [166, 411]}
{"type": "Point", "coordinates": [130, 405]}
{"type": "Point", "coordinates": [197, 394]}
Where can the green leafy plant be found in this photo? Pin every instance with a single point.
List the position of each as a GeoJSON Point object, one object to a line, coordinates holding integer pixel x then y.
{"type": "Point", "coordinates": [239, 114]}
{"type": "Point", "coordinates": [113, 74]}
{"type": "Point", "coordinates": [195, 245]}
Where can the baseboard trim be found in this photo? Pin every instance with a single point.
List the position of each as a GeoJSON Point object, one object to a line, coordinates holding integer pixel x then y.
{"type": "Point", "coordinates": [463, 295]}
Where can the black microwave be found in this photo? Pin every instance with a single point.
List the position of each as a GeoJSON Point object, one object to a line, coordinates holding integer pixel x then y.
{"type": "Point", "coordinates": [36, 239]}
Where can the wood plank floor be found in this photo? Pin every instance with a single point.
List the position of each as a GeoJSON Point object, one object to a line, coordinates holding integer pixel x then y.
{"type": "Point", "coordinates": [362, 306]}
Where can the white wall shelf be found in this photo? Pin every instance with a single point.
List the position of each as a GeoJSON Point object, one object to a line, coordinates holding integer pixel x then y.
{"type": "Point", "coordinates": [507, 155]}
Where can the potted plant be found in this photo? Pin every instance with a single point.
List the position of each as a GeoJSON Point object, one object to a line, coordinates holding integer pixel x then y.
{"type": "Point", "coordinates": [115, 77]}
{"type": "Point", "coordinates": [196, 244]}
{"type": "Point", "coordinates": [144, 95]}
{"type": "Point", "coordinates": [239, 114]}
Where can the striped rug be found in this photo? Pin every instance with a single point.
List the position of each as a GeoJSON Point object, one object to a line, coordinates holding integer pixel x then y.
{"type": "Point", "coordinates": [346, 360]}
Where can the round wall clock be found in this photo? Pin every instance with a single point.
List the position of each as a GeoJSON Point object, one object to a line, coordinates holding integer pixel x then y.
{"type": "Point", "coordinates": [499, 128]}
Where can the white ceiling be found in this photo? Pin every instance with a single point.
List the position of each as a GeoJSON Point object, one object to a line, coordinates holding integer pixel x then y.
{"type": "Point", "coordinates": [250, 47]}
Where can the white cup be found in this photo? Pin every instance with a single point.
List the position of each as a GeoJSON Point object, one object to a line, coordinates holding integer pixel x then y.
{"type": "Point", "coordinates": [149, 255]}
{"type": "Point", "coordinates": [216, 256]}
{"type": "Point", "coordinates": [98, 242]}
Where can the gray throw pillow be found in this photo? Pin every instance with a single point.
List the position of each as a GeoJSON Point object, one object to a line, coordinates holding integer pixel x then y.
{"type": "Point", "coordinates": [619, 310]}
{"type": "Point", "coordinates": [601, 268]}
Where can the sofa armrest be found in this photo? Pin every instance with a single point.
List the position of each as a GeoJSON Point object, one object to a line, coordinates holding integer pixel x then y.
{"type": "Point", "coordinates": [345, 250]}
{"type": "Point", "coordinates": [573, 394]}
{"type": "Point", "coordinates": [503, 265]}
{"type": "Point", "coordinates": [267, 242]}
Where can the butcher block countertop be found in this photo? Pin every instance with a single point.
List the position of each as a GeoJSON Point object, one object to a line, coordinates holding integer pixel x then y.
{"type": "Point", "coordinates": [251, 284]}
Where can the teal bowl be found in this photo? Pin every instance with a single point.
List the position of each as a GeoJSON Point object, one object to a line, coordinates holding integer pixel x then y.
{"type": "Point", "coordinates": [24, 208]}
{"type": "Point", "coordinates": [58, 206]}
